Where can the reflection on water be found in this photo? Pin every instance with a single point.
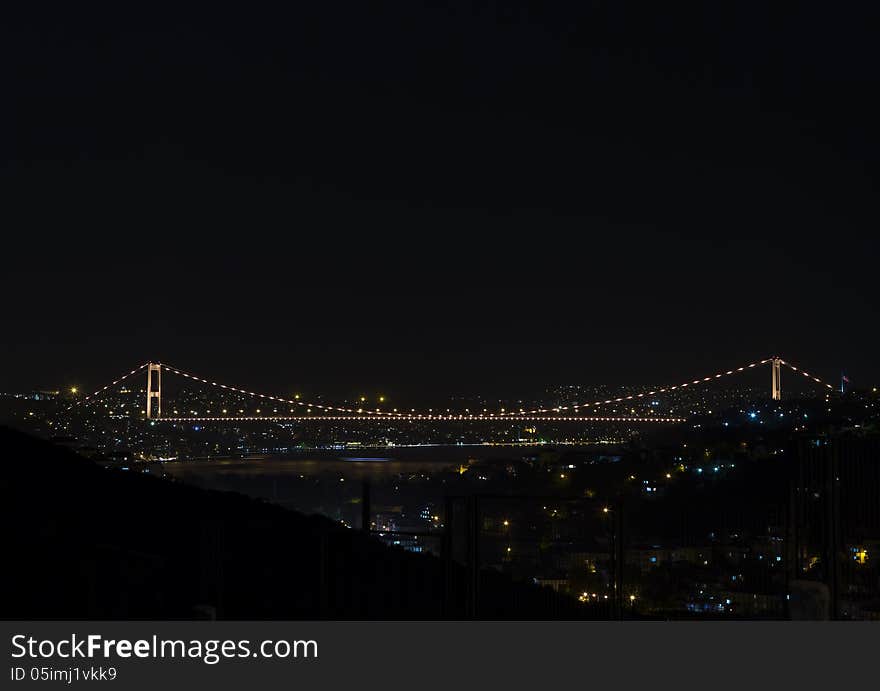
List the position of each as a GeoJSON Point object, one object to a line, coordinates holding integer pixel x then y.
{"type": "Point", "coordinates": [382, 463]}
{"type": "Point", "coordinates": [331, 484]}
{"type": "Point", "coordinates": [349, 468]}
{"type": "Point", "coordinates": [406, 482]}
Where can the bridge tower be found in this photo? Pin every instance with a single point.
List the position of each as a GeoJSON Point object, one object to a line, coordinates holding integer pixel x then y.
{"type": "Point", "coordinates": [154, 390]}
{"type": "Point", "coordinates": [777, 379]}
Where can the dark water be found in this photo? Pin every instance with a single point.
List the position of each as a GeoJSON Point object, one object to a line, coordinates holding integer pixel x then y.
{"type": "Point", "coordinates": [331, 482]}
{"type": "Point", "coordinates": [351, 464]}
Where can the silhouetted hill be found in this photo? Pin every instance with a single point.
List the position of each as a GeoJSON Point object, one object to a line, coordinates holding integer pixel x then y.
{"type": "Point", "coordinates": [86, 542]}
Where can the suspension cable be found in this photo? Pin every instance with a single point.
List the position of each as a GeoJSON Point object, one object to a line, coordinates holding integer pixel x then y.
{"type": "Point", "coordinates": [97, 392]}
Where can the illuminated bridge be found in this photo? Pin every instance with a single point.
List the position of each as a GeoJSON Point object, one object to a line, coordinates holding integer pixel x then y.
{"type": "Point", "coordinates": [304, 411]}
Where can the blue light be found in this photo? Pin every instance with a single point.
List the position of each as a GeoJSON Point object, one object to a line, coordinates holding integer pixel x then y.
{"type": "Point", "coordinates": [753, 415]}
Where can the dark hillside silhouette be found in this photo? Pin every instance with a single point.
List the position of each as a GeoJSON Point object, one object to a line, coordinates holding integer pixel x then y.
{"type": "Point", "coordinates": [85, 542]}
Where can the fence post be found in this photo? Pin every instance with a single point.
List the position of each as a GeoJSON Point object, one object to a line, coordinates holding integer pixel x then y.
{"type": "Point", "coordinates": [365, 507]}
{"type": "Point", "coordinates": [446, 550]}
{"type": "Point", "coordinates": [619, 561]}
{"type": "Point", "coordinates": [473, 557]}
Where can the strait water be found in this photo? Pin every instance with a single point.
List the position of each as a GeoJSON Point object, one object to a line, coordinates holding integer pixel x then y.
{"type": "Point", "coordinates": [349, 463]}
{"type": "Point", "coordinates": [330, 481]}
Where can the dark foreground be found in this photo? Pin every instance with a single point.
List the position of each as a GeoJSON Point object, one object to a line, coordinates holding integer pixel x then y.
{"type": "Point", "coordinates": [84, 542]}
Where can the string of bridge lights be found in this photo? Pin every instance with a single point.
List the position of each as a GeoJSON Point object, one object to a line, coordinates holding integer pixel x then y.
{"type": "Point", "coordinates": [416, 417]}
{"type": "Point", "coordinates": [665, 389]}
{"type": "Point", "coordinates": [97, 392]}
{"type": "Point", "coordinates": [345, 413]}
{"type": "Point", "coordinates": [277, 399]}
{"type": "Point", "coordinates": [519, 414]}
{"type": "Point", "coordinates": [806, 374]}
{"type": "Point", "coordinates": [632, 397]}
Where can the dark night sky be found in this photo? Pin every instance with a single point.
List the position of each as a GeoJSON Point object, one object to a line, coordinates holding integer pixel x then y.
{"type": "Point", "coordinates": [432, 197]}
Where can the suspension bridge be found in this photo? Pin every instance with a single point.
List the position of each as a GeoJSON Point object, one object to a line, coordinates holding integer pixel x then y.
{"type": "Point", "coordinates": [302, 411]}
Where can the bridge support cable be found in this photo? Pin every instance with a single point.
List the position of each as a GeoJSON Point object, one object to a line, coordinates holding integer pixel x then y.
{"type": "Point", "coordinates": [276, 399]}
{"type": "Point", "coordinates": [633, 397]}
{"type": "Point", "coordinates": [806, 374]}
{"type": "Point", "coordinates": [90, 397]}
